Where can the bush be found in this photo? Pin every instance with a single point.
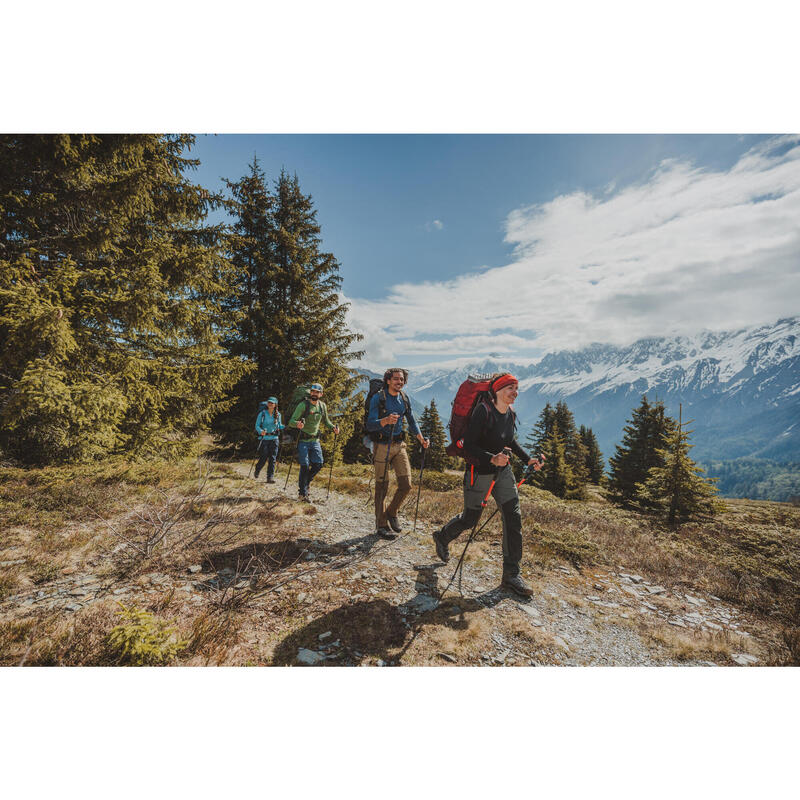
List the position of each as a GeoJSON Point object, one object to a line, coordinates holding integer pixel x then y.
{"type": "Point", "coordinates": [441, 481]}
{"type": "Point", "coordinates": [143, 640]}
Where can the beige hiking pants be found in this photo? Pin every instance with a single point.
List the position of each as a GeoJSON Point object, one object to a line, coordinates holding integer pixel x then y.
{"type": "Point", "coordinates": [398, 461]}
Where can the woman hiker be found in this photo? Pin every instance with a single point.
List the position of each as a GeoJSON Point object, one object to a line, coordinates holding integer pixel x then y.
{"type": "Point", "coordinates": [268, 428]}
{"type": "Point", "coordinates": [489, 433]}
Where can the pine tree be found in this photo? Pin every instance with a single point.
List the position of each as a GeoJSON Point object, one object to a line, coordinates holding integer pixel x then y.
{"type": "Point", "coordinates": [541, 431]}
{"type": "Point", "coordinates": [574, 448]}
{"type": "Point", "coordinates": [430, 425]}
{"type": "Point", "coordinates": [678, 486]}
{"type": "Point", "coordinates": [541, 439]}
{"type": "Point", "coordinates": [594, 458]}
{"type": "Point", "coordinates": [251, 250]}
{"type": "Point", "coordinates": [111, 288]}
{"type": "Point", "coordinates": [424, 423]}
{"type": "Point", "coordinates": [556, 475]}
{"type": "Point", "coordinates": [354, 451]}
{"type": "Point", "coordinates": [645, 436]}
{"type": "Point", "coordinates": [295, 331]}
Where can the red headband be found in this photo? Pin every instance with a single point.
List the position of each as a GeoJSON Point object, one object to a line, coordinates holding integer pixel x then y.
{"type": "Point", "coordinates": [502, 382]}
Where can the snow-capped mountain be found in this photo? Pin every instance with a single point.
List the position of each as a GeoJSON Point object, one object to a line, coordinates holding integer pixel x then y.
{"type": "Point", "coordinates": [741, 388]}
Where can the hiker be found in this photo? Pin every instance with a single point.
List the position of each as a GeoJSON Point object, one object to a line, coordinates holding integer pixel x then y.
{"type": "Point", "coordinates": [307, 417]}
{"type": "Point", "coordinates": [385, 426]}
{"type": "Point", "coordinates": [488, 443]}
{"type": "Point", "coordinates": [268, 429]}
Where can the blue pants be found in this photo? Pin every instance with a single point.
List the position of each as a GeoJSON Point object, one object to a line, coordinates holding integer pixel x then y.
{"type": "Point", "coordinates": [267, 449]}
{"type": "Point", "coordinates": [309, 454]}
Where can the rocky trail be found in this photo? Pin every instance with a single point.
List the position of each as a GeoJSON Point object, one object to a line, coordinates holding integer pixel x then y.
{"type": "Point", "coordinates": [347, 597]}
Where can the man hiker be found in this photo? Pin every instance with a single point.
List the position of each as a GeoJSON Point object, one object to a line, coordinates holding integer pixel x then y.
{"type": "Point", "coordinates": [488, 442]}
{"type": "Point", "coordinates": [307, 417]}
{"type": "Point", "coordinates": [268, 429]}
{"type": "Point", "coordinates": [385, 425]}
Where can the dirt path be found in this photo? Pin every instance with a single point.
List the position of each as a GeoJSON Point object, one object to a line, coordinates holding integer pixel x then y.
{"type": "Point", "coordinates": [573, 619]}
{"type": "Point", "coordinates": [348, 597]}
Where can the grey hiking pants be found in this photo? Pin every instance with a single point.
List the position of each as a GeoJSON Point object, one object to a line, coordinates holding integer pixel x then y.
{"type": "Point", "coordinates": [507, 499]}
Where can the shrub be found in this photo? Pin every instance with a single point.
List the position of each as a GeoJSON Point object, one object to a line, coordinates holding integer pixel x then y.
{"type": "Point", "coordinates": [143, 640]}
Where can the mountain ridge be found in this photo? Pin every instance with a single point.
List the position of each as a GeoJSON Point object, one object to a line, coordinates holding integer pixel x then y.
{"type": "Point", "coordinates": [741, 387]}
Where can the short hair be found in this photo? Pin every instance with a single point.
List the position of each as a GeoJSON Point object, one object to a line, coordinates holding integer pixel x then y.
{"type": "Point", "coordinates": [387, 376]}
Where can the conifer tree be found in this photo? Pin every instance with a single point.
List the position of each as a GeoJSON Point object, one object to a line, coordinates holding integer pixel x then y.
{"type": "Point", "coordinates": [678, 486]}
{"type": "Point", "coordinates": [541, 431]}
{"type": "Point", "coordinates": [353, 450]}
{"type": "Point", "coordinates": [430, 425]}
{"type": "Point", "coordinates": [111, 288]}
{"type": "Point", "coordinates": [644, 438]}
{"type": "Point", "coordinates": [594, 458]}
{"type": "Point", "coordinates": [541, 439]}
{"type": "Point", "coordinates": [556, 475]}
{"type": "Point", "coordinates": [295, 331]}
{"type": "Point", "coordinates": [416, 451]}
{"type": "Point", "coordinates": [250, 248]}
{"type": "Point", "coordinates": [574, 448]}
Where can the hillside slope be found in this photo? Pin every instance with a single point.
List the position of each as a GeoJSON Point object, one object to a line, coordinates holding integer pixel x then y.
{"type": "Point", "coordinates": [247, 575]}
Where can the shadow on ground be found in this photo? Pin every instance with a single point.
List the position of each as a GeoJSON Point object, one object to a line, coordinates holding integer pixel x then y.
{"type": "Point", "coordinates": [371, 630]}
{"type": "Point", "coordinates": [266, 557]}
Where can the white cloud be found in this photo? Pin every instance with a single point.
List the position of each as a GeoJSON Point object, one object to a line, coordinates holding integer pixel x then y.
{"type": "Point", "coordinates": [435, 225]}
{"type": "Point", "coordinates": [463, 344]}
{"type": "Point", "coordinates": [685, 249]}
{"type": "Point", "coordinates": [378, 346]}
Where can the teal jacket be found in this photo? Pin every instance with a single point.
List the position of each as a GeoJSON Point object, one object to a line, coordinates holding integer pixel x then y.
{"type": "Point", "coordinates": [266, 422]}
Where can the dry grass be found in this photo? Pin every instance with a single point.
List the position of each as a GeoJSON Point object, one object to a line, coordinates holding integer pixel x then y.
{"type": "Point", "coordinates": [689, 645]}
{"type": "Point", "coordinates": [749, 555]}
{"type": "Point", "coordinates": [786, 652]}
{"type": "Point", "coordinates": [48, 498]}
{"type": "Point", "coordinates": [53, 640]}
{"type": "Point", "coordinates": [9, 582]}
{"type": "Point", "coordinates": [177, 515]}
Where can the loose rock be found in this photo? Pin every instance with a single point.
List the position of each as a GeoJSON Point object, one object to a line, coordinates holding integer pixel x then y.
{"type": "Point", "coordinates": [309, 657]}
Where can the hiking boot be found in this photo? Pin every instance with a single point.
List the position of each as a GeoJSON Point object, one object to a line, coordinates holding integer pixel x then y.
{"type": "Point", "coordinates": [270, 480]}
{"type": "Point", "coordinates": [394, 524]}
{"type": "Point", "coordinates": [256, 474]}
{"type": "Point", "coordinates": [516, 584]}
{"type": "Point", "coordinates": [385, 533]}
{"type": "Point", "coordinates": [442, 550]}
{"type": "Point", "coordinates": [304, 497]}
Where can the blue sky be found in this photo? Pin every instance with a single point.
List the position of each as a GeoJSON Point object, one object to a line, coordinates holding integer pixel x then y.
{"type": "Point", "coordinates": [544, 241]}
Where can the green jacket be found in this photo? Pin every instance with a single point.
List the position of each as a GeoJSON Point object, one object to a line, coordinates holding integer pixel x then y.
{"type": "Point", "coordinates": [316, 414]}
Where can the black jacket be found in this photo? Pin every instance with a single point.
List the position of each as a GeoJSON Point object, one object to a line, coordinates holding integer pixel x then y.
{"type": "Point", "coordinates": [488, 432]}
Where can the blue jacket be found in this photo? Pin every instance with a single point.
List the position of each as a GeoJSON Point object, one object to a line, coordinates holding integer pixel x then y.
{"type": "Point", "coordinates": [265, 422]}
{"type": "Point", "coordinates": [394, 405]}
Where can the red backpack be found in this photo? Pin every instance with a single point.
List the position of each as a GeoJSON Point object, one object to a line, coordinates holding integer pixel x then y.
{"type": "Point", "coordinates": [474, 390]}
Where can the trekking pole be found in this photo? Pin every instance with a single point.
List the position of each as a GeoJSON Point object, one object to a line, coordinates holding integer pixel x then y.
{"type": "Point", "coordinates": [333, 454]}
{"type": "Point", "coordinates": [419, 486]}
{"type": "Point", "coordinates": [484, 503]}
{"type": "Point", "coordinates": [459, 570]}
{"type": "Point", "coordinates": [253, 464]}
{"type": "Point", "coordinates": [291, 463]}
{"type": "Point", "coordinates": [288, 473]}
{"type": "Point", "coordinates": [460, 566]}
